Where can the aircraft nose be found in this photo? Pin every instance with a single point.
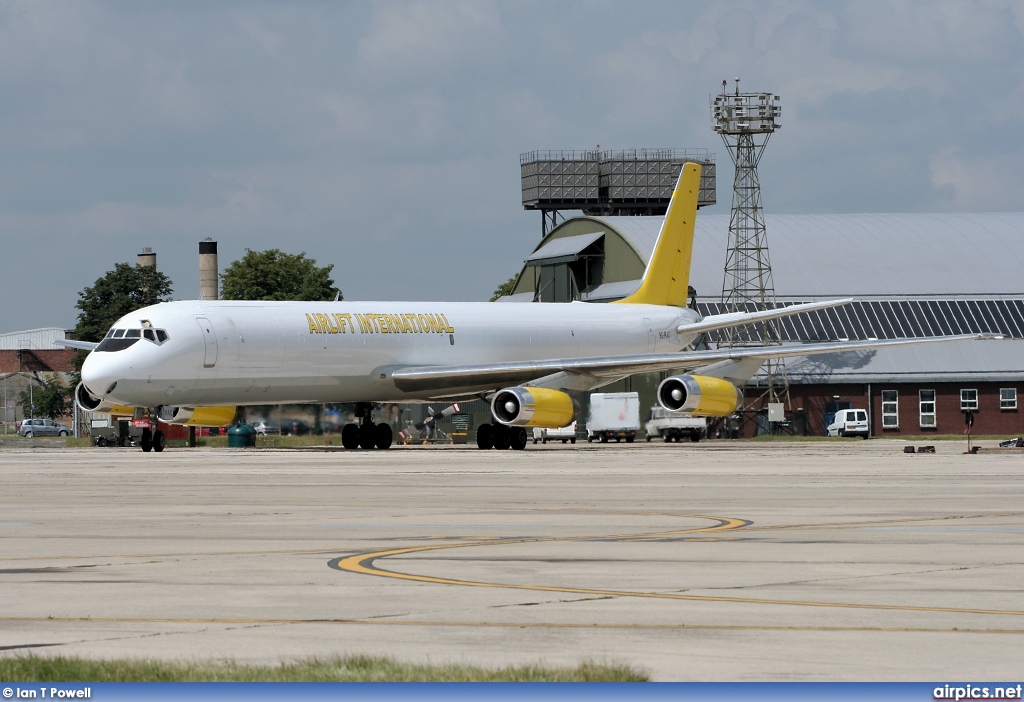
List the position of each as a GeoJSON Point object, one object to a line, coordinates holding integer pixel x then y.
{"type": "Point", "coordinates": [100, 373]}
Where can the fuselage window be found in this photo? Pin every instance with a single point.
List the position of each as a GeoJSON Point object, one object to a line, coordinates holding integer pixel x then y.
{"type": "Point", "coordinates": [161, 335]}
{"type": "Point", "coordinates": [109, 334]}
{"type": "Point", "coordinates": [118, 333]}
{"type": "Point", "coordinates": [133, 334]}
{"type": "Point", "coordinates": [148, 333]}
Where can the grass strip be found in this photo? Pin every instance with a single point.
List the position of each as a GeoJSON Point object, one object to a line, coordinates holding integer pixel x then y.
{"type": "Point", "coordinates": [32, 668]}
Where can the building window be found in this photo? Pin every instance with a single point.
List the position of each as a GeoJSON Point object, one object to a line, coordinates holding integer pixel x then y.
{"type": "Point", "coordinates": [969, 400]}
{"type": "Point", "coordinates": [890, 410]}
{"type": "Point", "coordinates": [1007, 398]}
{"type": "Point", "coordinates": [927, 408]}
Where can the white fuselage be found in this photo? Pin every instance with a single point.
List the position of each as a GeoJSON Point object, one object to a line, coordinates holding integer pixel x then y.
{"type": "Point", "coordinates": [246, 353]}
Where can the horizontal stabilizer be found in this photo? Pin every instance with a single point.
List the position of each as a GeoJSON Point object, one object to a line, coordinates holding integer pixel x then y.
{"type": "Point", "coordinates": [735, 319]}
{"type": "Point", "coordinates": [70, 343]}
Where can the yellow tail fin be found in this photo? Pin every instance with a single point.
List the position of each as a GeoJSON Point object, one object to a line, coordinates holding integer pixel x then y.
{"type": "Point", "coordinates": [667, 279]}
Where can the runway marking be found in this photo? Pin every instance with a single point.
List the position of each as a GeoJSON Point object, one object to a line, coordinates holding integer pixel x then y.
{"type": "Point", "coordinates": [363, 564]}
{"type": "Point", "coordinates": [510, 625]}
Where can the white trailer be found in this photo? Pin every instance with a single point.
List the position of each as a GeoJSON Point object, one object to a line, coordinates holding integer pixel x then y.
{"type": "Point", "coordinates": [613, 415]}
{"type": "Point", "coordinates": [673, 426]}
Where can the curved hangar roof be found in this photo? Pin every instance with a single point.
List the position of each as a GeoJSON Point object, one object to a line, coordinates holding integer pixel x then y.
{"type": "Point", "coordinates": [831, 254]}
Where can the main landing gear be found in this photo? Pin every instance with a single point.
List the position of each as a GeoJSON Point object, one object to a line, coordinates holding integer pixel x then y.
{"type": "Point", "coordinates": [500, 436]}
{"type": "Point", "coordinates": [366, 434]}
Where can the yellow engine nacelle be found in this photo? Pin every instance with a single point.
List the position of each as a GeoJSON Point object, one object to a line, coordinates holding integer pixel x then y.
{"type": "Point", "coordinates": [534, 407]}
{"type": "Point", "coordinates": [199, 416]}
{"type": "Point", "coordinates": [699, 395]}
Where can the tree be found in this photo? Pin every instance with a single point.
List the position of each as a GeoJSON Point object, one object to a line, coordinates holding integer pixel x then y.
{"type": "Point", "coordinates": [51, 398]}
{"type": "Point", "coordinates": [122, 290]}
{"type": "Point", "coordinates": [275, 275]}
{"type": "Point", "coordinates": [505, 288]}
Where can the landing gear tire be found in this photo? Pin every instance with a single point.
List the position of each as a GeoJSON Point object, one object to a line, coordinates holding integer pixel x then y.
{"type": "Point", "coordinates": [485, 437]}
{"type": "Point", "coordinates": [367, 435]}
{"type": "Point", "coordinates": [517, 438]}
{"type": "Point", "coordinates": [350, 436]}
{"type": "Point", "coordinates": [383, 436]}
{"type": "Point", "coordinates": [147, 440]}
{"type": "Point", "coordinates": [502, 437]}
{"type": "Point", "coordinates": [158, 441]}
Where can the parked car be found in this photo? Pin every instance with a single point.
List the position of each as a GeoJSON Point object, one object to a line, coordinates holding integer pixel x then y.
{"type": "Point", "coordinates": [42, 427]}
{"type": "Point", "coordinates": [562, 433]}
{"type": "Point", "coordinates": [295, 427]}
{"type": "Point", "coordinates": [849, 422]}
{"type": "Point", "coordinates": [265, 428]}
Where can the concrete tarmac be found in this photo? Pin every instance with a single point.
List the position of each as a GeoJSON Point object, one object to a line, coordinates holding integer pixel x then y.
{"type": "Point", "coordinates": [845, 560]}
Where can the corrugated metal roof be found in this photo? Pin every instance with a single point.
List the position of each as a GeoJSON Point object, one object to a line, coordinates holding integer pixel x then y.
{"type": "Point", "coordinates": [32, 339]}
{"type": "Point", "coordinates": [956, 361]}
{"type": "Point", "coordinates": [862, 254]}
{"type": "Point", "coordinates": [566, 246]}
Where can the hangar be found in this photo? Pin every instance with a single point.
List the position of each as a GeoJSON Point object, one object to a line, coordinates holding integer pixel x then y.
{"type": "Point", "coordinates": [913, 275]}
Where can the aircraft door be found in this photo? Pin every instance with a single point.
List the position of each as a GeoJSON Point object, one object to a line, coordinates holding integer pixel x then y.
{"type": "Point", "coordinates": [651, 336]}
{"type": "Point", "coordinates": [209, 341]}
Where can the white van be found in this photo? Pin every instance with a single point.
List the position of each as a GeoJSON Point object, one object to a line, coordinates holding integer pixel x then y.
{"type": "Point", "coordinates": [849, 422]}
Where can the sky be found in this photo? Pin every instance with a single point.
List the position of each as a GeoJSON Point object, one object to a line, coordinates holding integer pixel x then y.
{"type": "Point", "coordinates": [384, 137]}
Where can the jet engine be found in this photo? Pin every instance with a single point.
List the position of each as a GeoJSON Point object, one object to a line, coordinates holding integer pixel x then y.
{"type": "Point", "coordinates": [199, 416]}
{"type": "Point", "coordinates": [534, 407]}
{"type": "Point", "coordinates": [699, 395]}
{"type": "Point", "coordinates": [90, 403]}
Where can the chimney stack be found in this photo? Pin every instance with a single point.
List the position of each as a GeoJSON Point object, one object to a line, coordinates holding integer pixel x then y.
{"type": "Point", "coordinates": [208, 284]}
{"type": "Point", "coordinates": [147, 258]}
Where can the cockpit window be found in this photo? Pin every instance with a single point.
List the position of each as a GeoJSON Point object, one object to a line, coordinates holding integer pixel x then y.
{"type": "Point", "coordinates": [115, 344]}
{"type": "Point", "coordinates": [120, 339]}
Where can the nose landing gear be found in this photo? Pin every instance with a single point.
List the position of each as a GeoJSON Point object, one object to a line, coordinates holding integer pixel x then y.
{"type": "Point", "coordinates": [152, 440]}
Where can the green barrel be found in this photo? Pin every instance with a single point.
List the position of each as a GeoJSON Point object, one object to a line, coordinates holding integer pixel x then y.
{"type": "Point", "coordinates": [241, 436]}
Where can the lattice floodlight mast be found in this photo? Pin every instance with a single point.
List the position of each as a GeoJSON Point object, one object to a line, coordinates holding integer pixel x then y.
{"type": "Point", "coordinates": [745, 122]}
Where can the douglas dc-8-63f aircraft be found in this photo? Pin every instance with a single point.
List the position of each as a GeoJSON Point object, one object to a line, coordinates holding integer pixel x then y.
{"type": "Point", "coordinates": [194, 362]}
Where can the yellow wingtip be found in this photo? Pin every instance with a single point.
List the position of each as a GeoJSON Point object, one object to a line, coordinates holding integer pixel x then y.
{"type": "Point", "coordinates": [667, 279]}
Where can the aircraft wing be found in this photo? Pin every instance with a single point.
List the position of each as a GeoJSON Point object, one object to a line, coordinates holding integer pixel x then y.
{"type": "Point", "coordinates": [734, 319]}
{"type": "Point", "coordinates": [484, 377]}
{"type": "Point", "coordinates": [84, 345]}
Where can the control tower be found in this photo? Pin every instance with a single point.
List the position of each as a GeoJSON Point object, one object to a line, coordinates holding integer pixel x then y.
{"type": "Point", "coordinates": [633, 182]}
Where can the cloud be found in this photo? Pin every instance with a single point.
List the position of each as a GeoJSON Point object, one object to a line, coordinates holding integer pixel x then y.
{"type": "Point", "coordinates": [384, 137]}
